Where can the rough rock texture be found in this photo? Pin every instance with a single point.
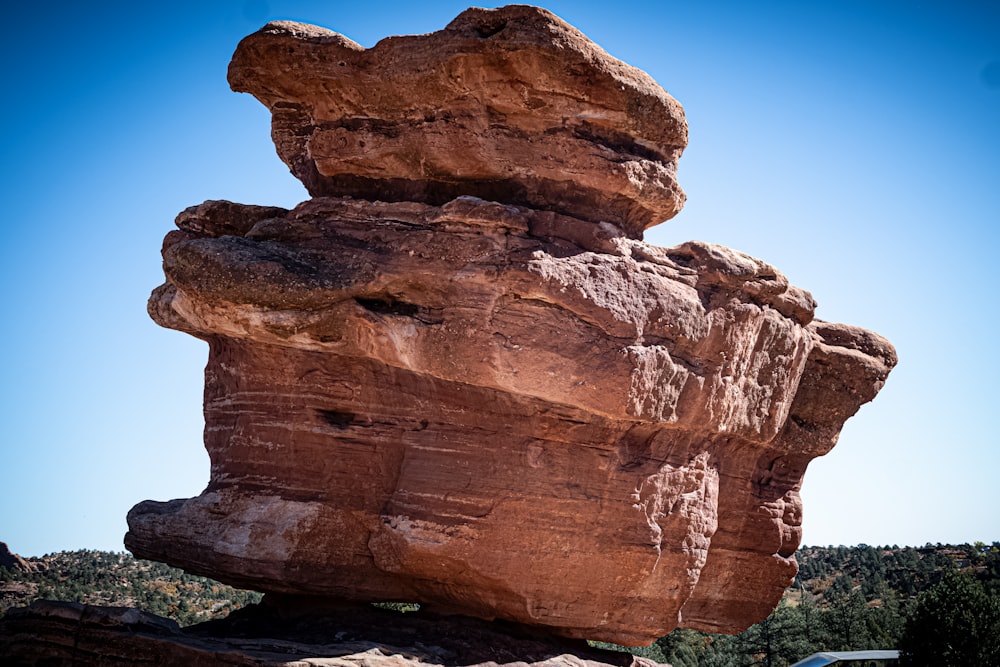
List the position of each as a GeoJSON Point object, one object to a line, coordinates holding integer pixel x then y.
{"type": "Point", "coordinates": [512, 105]}
{"type": "Point", "coordinates": [504, 411]}
{"type": "Point", "coordinates": [11, 561]}
{"type": "Point", "coordinates": [50, 634]}
{"type": "Point", "coordinates": [407, 402]}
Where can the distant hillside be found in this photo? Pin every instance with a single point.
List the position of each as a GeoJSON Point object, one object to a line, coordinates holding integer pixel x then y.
{"type": "Point", "coordinates": [904, 570]}
{"type": "Point", "coordinates": [118, 579]}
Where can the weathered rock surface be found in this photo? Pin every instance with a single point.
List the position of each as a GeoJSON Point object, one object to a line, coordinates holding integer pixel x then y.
{"type": "Point", "coordinates": [438, 404]}
{"type": "Point", "coordinates": [501, 410]}
{"type": "Point", "coordinates": [65, 633]}
{"type": "Point", "coordinates": [512, 105]}
{"type": "Point", "coordinates": [11, 561]}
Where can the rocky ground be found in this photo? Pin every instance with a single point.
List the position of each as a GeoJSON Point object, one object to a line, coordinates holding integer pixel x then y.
{"type": "Point", "coordinates": [53, 633]}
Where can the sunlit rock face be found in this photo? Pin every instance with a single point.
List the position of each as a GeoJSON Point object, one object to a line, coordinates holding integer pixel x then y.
{"type": "Point", "coordinates": [458, 376]}
{"type": "Point", "coordinates": [512, 105]}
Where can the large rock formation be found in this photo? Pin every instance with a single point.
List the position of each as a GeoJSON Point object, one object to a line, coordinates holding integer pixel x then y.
{"type": "Point", "coordinates": [458, 376]}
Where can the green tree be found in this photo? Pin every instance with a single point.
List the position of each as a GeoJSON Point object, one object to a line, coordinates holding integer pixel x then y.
{"type": "Point", "coordinates": [885, 619]}
{"type": "Point", "coordinates": [682, 648]}
{"type": "Point", "coordinates": [812, 630]}
{"type": "Point", "coordinates": [955, 623]}
{"type": "Point", "coordinates": [846, 622]}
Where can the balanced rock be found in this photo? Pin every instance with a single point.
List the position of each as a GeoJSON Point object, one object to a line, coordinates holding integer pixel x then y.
{"type": "Point", "coordinates": [505, 409]}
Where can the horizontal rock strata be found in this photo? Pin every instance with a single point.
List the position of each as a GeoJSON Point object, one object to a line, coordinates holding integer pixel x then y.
{"type": "Point", "coordinates": [47, 634]}
{"type": "Point", "coordinates": [499, 411]}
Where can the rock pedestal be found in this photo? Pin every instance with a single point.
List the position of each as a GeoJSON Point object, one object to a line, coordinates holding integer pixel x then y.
{"type": "Point", "coordinates": [457, 375]}
{"type": "Point", "coordinates": [57, 634]}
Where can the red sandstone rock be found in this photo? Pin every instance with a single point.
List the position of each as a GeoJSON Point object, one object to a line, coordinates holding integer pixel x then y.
{"type": "Point", "coordinates": [12, 561]}
{"type": "Point", "coordinates": [510, 104]}
{"type": "Point", "coordinates": [498, 409]}
{"type": "Point", "coordinates": [434, 404]}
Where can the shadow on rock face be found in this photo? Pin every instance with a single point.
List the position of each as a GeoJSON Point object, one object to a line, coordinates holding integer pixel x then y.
{"type": "Point", "coordinates": [67, 633]}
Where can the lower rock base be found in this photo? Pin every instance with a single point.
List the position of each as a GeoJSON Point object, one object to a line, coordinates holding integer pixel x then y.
{"type": "Point", "coordinates": [283, 633]}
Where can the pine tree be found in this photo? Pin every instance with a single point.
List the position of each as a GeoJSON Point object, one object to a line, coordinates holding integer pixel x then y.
{"type": "Point", "coordinates": [956, 623]}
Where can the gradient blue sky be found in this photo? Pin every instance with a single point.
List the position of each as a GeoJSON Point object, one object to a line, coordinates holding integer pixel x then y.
{"type": "Point", "coordinates": [854, 145]}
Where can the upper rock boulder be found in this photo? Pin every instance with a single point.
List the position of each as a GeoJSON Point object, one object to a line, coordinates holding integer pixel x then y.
{"type": "Point", "coordinates": [509, 104]}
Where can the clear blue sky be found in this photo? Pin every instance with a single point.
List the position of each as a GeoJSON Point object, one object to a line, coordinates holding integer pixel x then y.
{"type": "Point", "coordinates": [853, 144]}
